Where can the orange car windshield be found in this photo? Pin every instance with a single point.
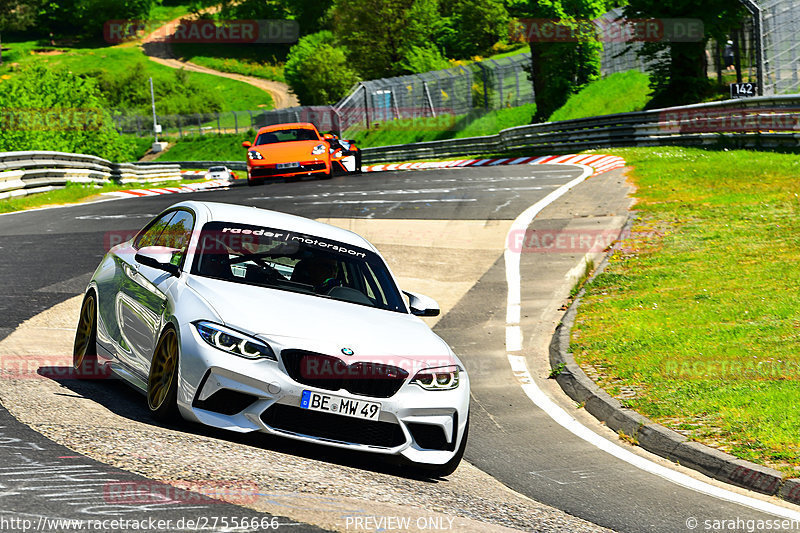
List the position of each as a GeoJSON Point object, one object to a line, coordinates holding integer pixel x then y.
{"type": "Point", "coordinates": [287, 135]}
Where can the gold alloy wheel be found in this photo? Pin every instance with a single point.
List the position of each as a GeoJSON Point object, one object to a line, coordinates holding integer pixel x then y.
{"type": "Point", "coordinates": [163, 369]}
{"type": "Point", "coordinates": [85, 334]}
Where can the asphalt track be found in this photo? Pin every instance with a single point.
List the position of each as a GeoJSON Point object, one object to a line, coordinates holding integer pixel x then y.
{"type": "Point", "coordinates": [47, 257]}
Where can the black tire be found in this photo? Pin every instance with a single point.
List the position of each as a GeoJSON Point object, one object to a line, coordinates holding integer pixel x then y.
{"type": "Point", "coordinates": [252, 182]}
{"type": "Point", "coordinates": [327, 175]}
{"type": "Point", "coordinates": [162, 381]}
{"type": "Point", "coordinates": [450, 466]}
{"type": "Point", "coordinates": [84, 350]}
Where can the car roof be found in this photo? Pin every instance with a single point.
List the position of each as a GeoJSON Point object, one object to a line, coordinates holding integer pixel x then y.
{"type": "Point", "coordinates": [243, 214]}
{"type": "Point", "coordinates": [275, 127]}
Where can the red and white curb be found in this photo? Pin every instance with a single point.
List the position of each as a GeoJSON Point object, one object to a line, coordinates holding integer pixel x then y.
{"type": "Point", "coordinates": [156, 191]}
{"type": "Point", "coordinates": [599, 162]}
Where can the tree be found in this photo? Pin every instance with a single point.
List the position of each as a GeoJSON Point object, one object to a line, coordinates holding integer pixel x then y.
{"type": "Point", "coordinates": [88, 17]}
{"type": "Point", "coordinates": [475, 26]}
{"type": "Point", "coordinates": [379, 34]}
{"type": "Point", "coordinates": [16, 15]}
{"type": "Point", "coordinates": [317, 71]}
{"type": "Point", "coordinates": [560, 68]}
{"type": "Point", "coordinates": [678, 70]}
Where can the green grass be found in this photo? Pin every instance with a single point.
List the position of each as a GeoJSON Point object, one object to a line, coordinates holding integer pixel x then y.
{"type": "Point", "coordinates": [257, 60]}
{"type": "Point", "coordinates": [77, 192]}
{"type": "Point", "coordinates": [208, 148]}
{"type": "Point", "coordinates": [167, 11]}
{"type": "Point", "coordinates": [235, 95]}
{"type": "Point", "coordinates": [698, 314]}
{"type": "Point", "coordinates": [622, 92]}
{"type": "Point", "coordinates": [406, 131]}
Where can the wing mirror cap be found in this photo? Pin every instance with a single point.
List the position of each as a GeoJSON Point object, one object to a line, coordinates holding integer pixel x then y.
{"type": "Point", "coordinates": [158, 257]}
{"type": "Point", "coordinates": [247, 144]}
{"type": "Point", "coordinates": [422, 305]}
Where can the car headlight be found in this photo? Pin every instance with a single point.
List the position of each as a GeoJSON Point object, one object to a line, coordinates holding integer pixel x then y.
{"type": "Point", "coordinates": [232, 341]}
{"type": "Point", "coordinates": [318, 149]}
{"type": "Point", "coordinates": [440, 378]}
{"type": "Point", "coordinates": [253, 154]}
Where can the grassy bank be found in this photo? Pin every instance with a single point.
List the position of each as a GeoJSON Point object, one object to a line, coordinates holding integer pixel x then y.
{"type": "Point", "coordinates": [404, 131]}
{"type": "Point", "coordinates": [226, 147]}
{"type": "Point", "coordinates": [76, 193]}
{"type": "Point", "coordinates": [619, 93]}
{"type": "Point", "coordinates": [257, 60]}
{"type": "Point", "coordinates": [622, 92]}
{"type": "Point", "coordinates": [695, 323]}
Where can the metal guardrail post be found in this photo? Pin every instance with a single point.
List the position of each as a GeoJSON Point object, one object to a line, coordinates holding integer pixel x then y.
{"type": "Point", "coordinates": [758, 34]}
{"type": "Point", "coordinates": [366, 106]}
{"type": "Point", "coordinates": [485, 86]}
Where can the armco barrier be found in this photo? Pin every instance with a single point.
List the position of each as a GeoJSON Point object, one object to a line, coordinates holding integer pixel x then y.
{"type": "Point", "coordinates": [24, 173]}
{"type": "Point", "coordinates": [232, 165]}
{"type": "Point", "coordinates": [768, 122]}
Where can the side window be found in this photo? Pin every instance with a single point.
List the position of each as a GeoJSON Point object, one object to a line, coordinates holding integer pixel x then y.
{"type": "Point", "coordinates": [177, 234]}
{"type": "Point", "coordinates": [150, 236]}
{"type": "Point", "coordinates": [373, 287]}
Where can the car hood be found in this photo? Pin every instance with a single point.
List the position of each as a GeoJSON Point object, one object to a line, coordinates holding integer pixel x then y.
{"type": "Point", "coordinates": [301, 321]}
{"type": "Point", "coordinates": [288, 152]}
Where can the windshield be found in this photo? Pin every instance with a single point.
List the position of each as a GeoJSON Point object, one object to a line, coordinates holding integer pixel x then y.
{"type": "Point", "coordinates": [287, 135]}
{"type": "Point", "coordinates": [216, 169]}
{"type": "Point", "coordinates": [289, 261]}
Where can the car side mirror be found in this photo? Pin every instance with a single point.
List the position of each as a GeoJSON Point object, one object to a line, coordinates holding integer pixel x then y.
{"type": "Point", "coordinates": [327, 137]}
{"type": "Point", "coordinates": [422, 305]}
{"type": "Point", "coordinates": [158, 257]}
{"type": "Point", "coordinates": [247, 144]}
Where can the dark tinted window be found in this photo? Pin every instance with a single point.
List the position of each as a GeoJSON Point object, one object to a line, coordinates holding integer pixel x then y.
{"type": "Point", "coordinates": [285, 260]}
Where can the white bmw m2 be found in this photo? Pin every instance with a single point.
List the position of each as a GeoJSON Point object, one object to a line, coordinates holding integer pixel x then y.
{"type": "Point", "coordinates": [252, 320]}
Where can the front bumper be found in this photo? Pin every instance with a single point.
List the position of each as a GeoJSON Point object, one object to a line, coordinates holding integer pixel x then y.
{"type": "Point", "coordinates": [270, 170]}
{"type": "Point", "coordinates": [243, 395]}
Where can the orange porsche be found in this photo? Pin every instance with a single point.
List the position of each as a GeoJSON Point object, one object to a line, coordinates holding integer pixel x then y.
{"type": "Point", "coordinates": [287, 150]}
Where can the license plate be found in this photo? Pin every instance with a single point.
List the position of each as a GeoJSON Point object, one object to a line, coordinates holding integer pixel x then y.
{"type": "Point", "coordinates": [328, 403]}
{"type": "Point", "coordinates": [287, 165]}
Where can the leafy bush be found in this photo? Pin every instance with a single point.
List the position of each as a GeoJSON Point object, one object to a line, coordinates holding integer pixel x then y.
{"type": "Point", "coordinates": [424, 59]}
{"type": "Point", "coordinates": [176, 93]}
{"type": "Point", "coordinates": [44, 109]}
{"type": "Point", "coordinates": [317, 71]}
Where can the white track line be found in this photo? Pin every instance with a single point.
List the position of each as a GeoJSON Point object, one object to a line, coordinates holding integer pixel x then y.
{"type": "Point", "coordinates": [564, 419]}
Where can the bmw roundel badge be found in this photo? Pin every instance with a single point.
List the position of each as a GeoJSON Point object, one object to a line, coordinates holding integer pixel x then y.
{"type": "Point", "coordinates": [347, 351]}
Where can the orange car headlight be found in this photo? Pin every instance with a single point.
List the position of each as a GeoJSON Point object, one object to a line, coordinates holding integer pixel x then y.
{"type": "Point", "coordinates": [253, 154]}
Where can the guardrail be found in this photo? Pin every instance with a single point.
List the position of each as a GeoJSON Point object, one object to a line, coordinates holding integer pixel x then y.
{"type": "Point", "coordinates": [24, 173]}
{"type": "Point", "coordinates": [764, 122]}
{"type": "Point", "coordinates": [232, 165]}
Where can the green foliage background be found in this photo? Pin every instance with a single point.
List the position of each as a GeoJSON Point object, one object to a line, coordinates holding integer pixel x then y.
{"type": "Point", "coordinates": [44, 109]}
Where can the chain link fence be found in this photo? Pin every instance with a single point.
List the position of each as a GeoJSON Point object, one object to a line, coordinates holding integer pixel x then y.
{"type": "Point", "coordinates": [781, 23]}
